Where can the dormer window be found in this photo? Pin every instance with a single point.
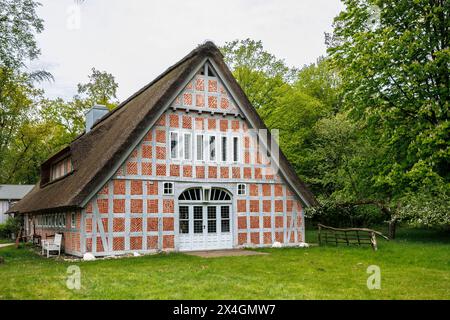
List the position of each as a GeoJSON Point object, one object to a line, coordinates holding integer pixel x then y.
{"type": "Point", "coordinates": [61, 168]}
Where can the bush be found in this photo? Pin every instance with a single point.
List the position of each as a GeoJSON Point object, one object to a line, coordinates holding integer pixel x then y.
{"type": "Point", "coordinates": [336, 215]}
{"type": "Point", "coordinates": [426, 210]}
{"type": "Point", "coordinates": [12, 225]}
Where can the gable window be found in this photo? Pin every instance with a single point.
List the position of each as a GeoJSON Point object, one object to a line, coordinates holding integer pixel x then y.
{"type": "Point", "coordinates": [187, 146]}
{"type": "Point", "coordinates": [174, 145]}
{"type": "Point", "coordinates": [235, 149]}
{"type": "Point", "coordinates": [241, 189]}
{"type": "Point", "coordinates": [199, 147]}
{"type": "Point", "coordinates": [224, 149]}
{"type": "Point", "coordinates": [61, 168]}
{"type": "Point", "coordinates": [212, 148]}
{"type": "Point", "coordinates": [168, 188]}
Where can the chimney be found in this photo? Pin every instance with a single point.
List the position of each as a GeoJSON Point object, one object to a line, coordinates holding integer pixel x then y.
{"type": "Point", "coordinates": [93, 114]}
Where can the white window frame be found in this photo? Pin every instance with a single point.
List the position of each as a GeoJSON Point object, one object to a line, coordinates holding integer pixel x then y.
{"type": "Point", "coordinates": [203, 147]}
{"type": "Point", "coordinates": [245, 189]}
{"type": "Point", "coordinates": [215, 148]}
{"type": "Point", "coordinates": [171, 188]}
{"type": "Point", "coordinates": [184, 146]}
{"type": "Point", "coordinates": [177, 151]}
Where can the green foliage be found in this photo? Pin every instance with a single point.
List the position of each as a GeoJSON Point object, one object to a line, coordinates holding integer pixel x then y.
{"type": "Point", "coordinates": [427, 209]}
{"type": "Point", "coordinates": [19, 111]}
{"type": "Point", "coordinates": [320, 81]}
{"type": "Point", "coordinates": [18, 25]}
{"type": "Point", "coordinates": [396, 81]}
{"type": "Point", "coordinates": [395, 77]}
{"type": "Point", "coordinates": [331, 213]}
{"type": "Point", "coordinates": [101, 89]}
{"type": "Point", "coordinates": [10, 226]}
{"type": "Point", "coordinates": [261, 75]}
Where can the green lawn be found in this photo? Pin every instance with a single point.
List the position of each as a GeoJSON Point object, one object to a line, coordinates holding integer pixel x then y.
{"type": "Point", "coordinates": [415, 266]}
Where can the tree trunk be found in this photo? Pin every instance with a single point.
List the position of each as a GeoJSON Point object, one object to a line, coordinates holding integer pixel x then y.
{"type": "Point", "coordinates": [392, 228]}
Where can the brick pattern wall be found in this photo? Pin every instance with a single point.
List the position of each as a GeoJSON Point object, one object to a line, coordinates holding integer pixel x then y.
{"type": "Point", "coordinates": [268, 213]}
{"type": "Point", "coordinates": [206, 93]}
{"type": "Point", "coordinates": [151, 158]}
{"type": "Point", "coordinates": [71, 241]}
{"type": "Point", "coordinates": [135, 217]}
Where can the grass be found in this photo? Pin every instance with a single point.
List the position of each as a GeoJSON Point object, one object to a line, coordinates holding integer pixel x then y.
{"type": "Point", "coordinates": [415, 266]}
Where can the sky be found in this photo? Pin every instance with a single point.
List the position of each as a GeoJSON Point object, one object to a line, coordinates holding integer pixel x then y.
{"type": "Point", "coordinates": [136, 40]}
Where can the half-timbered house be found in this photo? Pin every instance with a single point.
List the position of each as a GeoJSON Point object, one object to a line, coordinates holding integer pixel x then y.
{"type": "Point", "coordinates": [183, 164]}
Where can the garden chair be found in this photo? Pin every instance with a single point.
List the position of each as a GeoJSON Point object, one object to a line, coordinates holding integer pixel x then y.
{"type": "Point", "coordinates": [55, 245]}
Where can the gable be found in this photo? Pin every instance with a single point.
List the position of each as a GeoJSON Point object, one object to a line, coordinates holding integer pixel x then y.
{"type": "Point", "coordinates": [206, 92]}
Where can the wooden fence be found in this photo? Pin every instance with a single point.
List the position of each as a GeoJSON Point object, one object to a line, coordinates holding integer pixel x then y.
{"type": "Point", "coordinates": [348, 236]}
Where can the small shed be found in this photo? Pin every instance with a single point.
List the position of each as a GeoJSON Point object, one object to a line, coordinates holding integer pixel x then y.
{"type": "Point", "coordinates": [10, 193]}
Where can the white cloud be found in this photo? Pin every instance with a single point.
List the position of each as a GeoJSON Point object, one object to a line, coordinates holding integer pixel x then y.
{"type": "Point", "coordinates": [136, 40]}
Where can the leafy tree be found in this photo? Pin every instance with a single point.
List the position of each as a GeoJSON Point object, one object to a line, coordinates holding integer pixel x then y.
{"type": "Point", "coordinates": [321, 81]}
{"type": "Point", "coordinates": [396, 83]}
{"type": "Point", "coordinates": [18, 25]}
{"type": "Point", "coordinates": [69, 116]}
{"type": "Point", "coordinates": [429, 209]}
{"type": "Point", "coordinates": [261, 75]}
{"type": "Point", "coordinates": [101, 89]}
{"type": "Point", "coordinates": [294, 115]}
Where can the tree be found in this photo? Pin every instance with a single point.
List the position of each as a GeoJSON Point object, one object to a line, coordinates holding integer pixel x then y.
{"type": "Point", "coordinates": [396, 81]}
{"type": "Point", "coordinates": [18, 25]}
{"type": "Point", "coordinates": [321, 81]}
{"type": "Point", "coordinates": [101, 89]}
{"type": "Point", "coordinates": [261, 75]}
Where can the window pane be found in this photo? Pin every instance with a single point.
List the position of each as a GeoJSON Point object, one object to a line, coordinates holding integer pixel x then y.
{"type": "Point", "coordinates": [212, 148]}
{"type": "Point", "coordinates": [224, 149]}
{"type": "Point", "coordinates": [198, 213]}
{"type": "Point", "coordinates": [168, 188]}
{"type": "Point", "coordinates": [184, 226]}
{"type": "Point", "coordinates": [212, 213]}
{"type": "Point", "coordinates": [173, 145]}
{"type": "Point", "coordinates": [198, 226]}
{"type": "Point", "coordinates": [187, 146]}
{"type": "Point", "coordinates": [235, 149]}
{"type": "Point", "coordinates": [212, 226]}
{"type": "Point", "coordinates": [225, 212]}
{"type": "Point", "coordinates": [199, 147]}
{"type": "Point", "coordinates": [184, 212]}
{"type": "Point", "coordinates": [225, 226]}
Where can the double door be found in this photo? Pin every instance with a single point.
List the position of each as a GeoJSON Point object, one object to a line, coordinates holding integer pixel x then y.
{"type": "Point", "coordinates": [205, 227]}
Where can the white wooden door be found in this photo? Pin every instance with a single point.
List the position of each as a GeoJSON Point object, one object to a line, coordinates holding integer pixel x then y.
{"type": "Point", "coordinates": [205, 227]}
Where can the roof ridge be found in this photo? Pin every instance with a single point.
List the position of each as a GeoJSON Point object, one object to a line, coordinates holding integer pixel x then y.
{"type": "Point", "coordinates": [207, 46]}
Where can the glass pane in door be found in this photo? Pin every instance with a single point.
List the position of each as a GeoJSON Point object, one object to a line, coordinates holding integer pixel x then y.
{"type": "Point", "coordinates": [212, 225]}
{"type": "Point", "coordinates": [225, 218]}
{"type": "Point", "coordinates": [184, 219]}
{"type": "Point", "coordinates": [198, 219]}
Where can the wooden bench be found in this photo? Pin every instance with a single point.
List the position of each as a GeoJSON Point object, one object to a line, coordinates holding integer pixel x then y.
{"type": "Point", "coordinates": [349, 236]}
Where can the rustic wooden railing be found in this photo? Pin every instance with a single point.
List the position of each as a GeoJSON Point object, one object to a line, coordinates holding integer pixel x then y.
{"type": "Point", "coordinates": [348, 236]}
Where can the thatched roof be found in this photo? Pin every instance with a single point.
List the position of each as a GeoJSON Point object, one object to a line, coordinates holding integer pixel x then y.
{"type": "Point", "coordinates": [97, 153]}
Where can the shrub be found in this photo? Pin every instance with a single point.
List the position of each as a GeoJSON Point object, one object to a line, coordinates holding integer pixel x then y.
{"type": "Point", "coordinates": [12, 225]}
{"type": "Point", "coordinates": [337, 215]}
